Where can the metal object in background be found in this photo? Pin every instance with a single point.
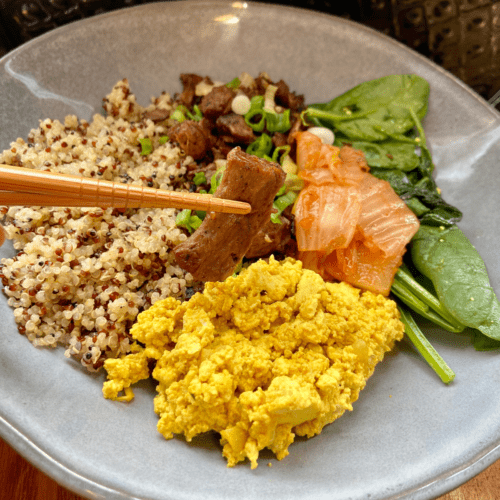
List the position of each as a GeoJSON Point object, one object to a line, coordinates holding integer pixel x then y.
{"type": "Point", "coordinates": [463, 36]}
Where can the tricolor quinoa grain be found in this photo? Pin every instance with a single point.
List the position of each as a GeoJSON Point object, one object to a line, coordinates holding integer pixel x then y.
{"type": "Point", "coordinates": [82, 275]}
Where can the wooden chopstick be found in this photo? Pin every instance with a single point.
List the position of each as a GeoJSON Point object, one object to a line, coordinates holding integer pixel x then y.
{"type": "Point", "coordinates": [27, 187]}
{"type": "Point", "coordinates": [18, 198]}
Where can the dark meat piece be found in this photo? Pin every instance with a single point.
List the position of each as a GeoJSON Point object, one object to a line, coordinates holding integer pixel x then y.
{"type": "Point", "coordinates": [157, 115]}
{"type": "Point", "coordinates": [214, 250]}
{"type": "Point", "coordinates": [279, 139]}
{"type": "Point", "coordinates": [235, 126]}
{"type": "Point", "coordinates": [221, 149]}
{"type": "Point", "coordinates": [288, 99]}
{"type": "Point", "coordinates": [193, 137]}
{"type": "Point", "coordinates": [189, 82]}
{"type": "Point", "coordinates": [262, 82]}
{"type": "Point", "coordinates": [217, 102]}
{"type": "Point", "coordinates": [209, 171]}
{"type": "Point", "coordinates": [270, 238]}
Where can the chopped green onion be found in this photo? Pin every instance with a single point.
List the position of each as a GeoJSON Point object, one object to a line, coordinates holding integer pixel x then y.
{"type": "Point", "coordinates": [197, 116]}
{"type": "Point", "coordinates": [281, 191]}
{"type": "Point", "coordinates": [182, 218]}
{"type": "Point", "coordinates": [269, 95]}
{"type": "Point", "coordinates": [234, 83]}
{"type": "Point", "coordinates": [288, 165]}
{"type": "Point", "coordinates": [261, 146]}
{"type": "Point", "coordinates": [178, 115]}
{"type": "Point", "coordinates": [293, 182]}
{"type": "Point", "coordinates": [241, 105]}
{"type": "Point", "coordinates": [325, 134]}
{"type": "Point", "coordinates": [188, 221]}
{"type": "Point", "coordinates": [199, 178]}
{"type": "Point", "coordinates": [269, 118]}
{"type": "Point", "coordinates": [281, 203]}
{"type": "Point", "coordinates": [146, 146]}
{"type": "Point", "coordinates": [275, 217]}
{"type": "Point", "coordinates": [277, 122]}
{"type": "Point", "coordinates": [195, 222]}
{"type": "Point", "coordinates": [163, 139]}
{"type": "Point", "coordinates": [216, 179]}
{"type": "Point", "coordinates": [238, 269]}
{"type": "Point", "coordinates": [256, 109]}
{"type": "Point", "coordinates": [281, 149]}
{"type": "Point", "coordinates": [182, 113]}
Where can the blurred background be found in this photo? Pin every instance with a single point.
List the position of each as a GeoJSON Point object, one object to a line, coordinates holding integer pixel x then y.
{"type": "Point", "coordinates": [463, 36]}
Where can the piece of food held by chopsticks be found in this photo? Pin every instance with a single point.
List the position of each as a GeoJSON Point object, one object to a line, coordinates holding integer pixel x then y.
{"type": "Point", "coordinates": [24, 187]}
{"type": "Point", "coordinates": [215, 249]}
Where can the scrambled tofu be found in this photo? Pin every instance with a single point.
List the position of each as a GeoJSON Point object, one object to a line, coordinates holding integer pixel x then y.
{"type": "Point", "coordinates": [259, 358]}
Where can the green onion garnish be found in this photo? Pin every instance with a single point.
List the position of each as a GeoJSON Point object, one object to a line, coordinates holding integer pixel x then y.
{"type": "Point", "coordinates": [261, 147]}
{"type": "Point", "coordinates": [199, 178]}
{"type": "Point", "coordinates": [281, 203]}
{"type": "Point", "coordinates": [146, 146]}
{"type": "Point", "coordinates": [234, 83]}
{"type": "Point", "coordinates": [187, 220]}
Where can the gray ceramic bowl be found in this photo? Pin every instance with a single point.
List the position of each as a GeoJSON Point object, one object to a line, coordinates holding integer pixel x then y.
{"type": "Point", "coordinates": [409, 436]}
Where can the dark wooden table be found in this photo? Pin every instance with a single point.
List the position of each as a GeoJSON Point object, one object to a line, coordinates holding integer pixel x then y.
{"type": "Point", "coordinates": [19, 480]}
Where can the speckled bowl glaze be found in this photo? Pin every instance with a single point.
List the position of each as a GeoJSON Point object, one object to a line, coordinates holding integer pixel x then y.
{"type": "Point", "coordinates": [409, 436]}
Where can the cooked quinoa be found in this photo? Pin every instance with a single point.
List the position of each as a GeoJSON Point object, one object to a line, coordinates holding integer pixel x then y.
{"type": "Point", "coordinates": [81, 275]}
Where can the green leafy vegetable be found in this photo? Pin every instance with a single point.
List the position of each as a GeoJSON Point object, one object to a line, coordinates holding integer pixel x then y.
{"type": "Point", "coordinates": [428, 352]}
{"type": "Point", "coordinates": [459, 275]}
{"type": "Point", "coordinates": [383, 118]}
{"type": "Point", "coordinates": [483, 343]}
{"type": "Point", "coordinates": [421, 195]}
{"type": "Point", "coordinates": [375, 110]}
{"type": "Point", "coordinates": [420, 300]}
{"type": "Point", "coordinates": [390, 154]}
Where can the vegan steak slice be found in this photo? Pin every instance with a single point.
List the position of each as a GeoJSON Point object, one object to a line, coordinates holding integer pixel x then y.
{"type": "Point", "coordinates": [215, 249]}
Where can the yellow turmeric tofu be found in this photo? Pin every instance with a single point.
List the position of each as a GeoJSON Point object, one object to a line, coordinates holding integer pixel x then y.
{"type": "Point", "coordinates": [272, 353]}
